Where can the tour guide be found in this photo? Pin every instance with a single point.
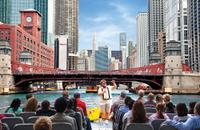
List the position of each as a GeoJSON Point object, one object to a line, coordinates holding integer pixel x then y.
{"type": "Point", "coordinates": [105, 91]}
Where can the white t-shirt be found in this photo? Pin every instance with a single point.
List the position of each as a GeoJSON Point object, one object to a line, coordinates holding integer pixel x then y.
{"type": "Point", "coordinates": [108, 94]}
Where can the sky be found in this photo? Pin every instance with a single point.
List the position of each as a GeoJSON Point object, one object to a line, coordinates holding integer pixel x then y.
{"type": "Point", "coordinates": [108, 18]}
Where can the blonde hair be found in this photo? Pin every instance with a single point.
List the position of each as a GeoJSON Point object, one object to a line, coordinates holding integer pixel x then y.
{"type": "Point", "coordinates": [31, 105]}
{"type": "Point", "coordinates": [43, 123]}
{"type": "Point", "coordinates": [167, 97]}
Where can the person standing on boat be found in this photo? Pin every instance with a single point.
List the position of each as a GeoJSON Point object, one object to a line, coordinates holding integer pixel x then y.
{"type": "Point", "coordinates": [105, 91]}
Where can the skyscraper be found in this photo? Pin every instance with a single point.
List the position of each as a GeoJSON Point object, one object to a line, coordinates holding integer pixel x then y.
{"type": "Point", "coordinates": [130, 47]}
{"type": "Point", "coordinates": [66, 23]}
{"type": "Point", "coordinates": [176, 25]}
{"type": "Point", "coordinates": [142, 39]}
{"type": "Point", "coordinates": [122, 39]}
{"type": "Point", "coordinates": [10, 13]}
{"type": "Point", "coordinates": [155, 20]}
{"type": "Point", "coordinates": [194, 33]}
{"type": "Point", "coordinates": [101, 56]}
{"type": "Point", "coordinates": [10, 10]}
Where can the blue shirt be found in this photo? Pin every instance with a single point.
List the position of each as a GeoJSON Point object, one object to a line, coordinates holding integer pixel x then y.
{"type": "Point", "coordinates": [192, 123]}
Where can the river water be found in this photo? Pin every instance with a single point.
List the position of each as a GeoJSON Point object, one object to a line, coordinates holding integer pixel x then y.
{"type": "Point", "coordinates": [91, 99]}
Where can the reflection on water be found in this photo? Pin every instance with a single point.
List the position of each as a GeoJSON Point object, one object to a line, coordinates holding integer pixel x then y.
{"type": "Point", "coordinates": [91, 99]}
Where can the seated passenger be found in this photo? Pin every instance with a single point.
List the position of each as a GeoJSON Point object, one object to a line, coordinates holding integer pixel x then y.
{"type": "Point", "coordinates": [160, 113]}
{"type": "Point", "coordinates": [138, 113]}
{"type": "Point", "coordinates": [192, 122]}
{"type": "Point", "coordinates": [15, 107]}
{"type": "Point", "coordinates": [170, 108]}
{"type": "Point", "coordinates": [150, 101]}
{"type": "Point", "coordinates": [29, 95]}
{"type": "Point", "coordinates": [119, 101]}
{"type": "Point", "coordinates": [117, 123]}
{"type": "Point", "coordinates": [43, 123]}
{"type": "Point", "coordinates": [182, 112]}
{"type": "Point", "coordinates": [45, 109]}
{"type": "Point", "coordinates": [60, 107]}
{"type": "Point", "coordinates": [159, 99]}
{"type": "Point", "coordinates": [31, 105]}
{"type": "Point", "coordinates": [191, 107]}
{"type": "Point", "coordinates": [128, 115]}
{"type": "Point", "coordinates": [141, 95]}
{"type": "Point", "coordinates": [80, 103]}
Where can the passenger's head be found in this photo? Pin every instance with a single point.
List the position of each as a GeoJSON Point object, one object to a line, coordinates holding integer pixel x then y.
{"type": "Point", "coordinates": [197, 109]}
{"type": "Point", "coordinates": [191, 106]}
{"type": "Point", "coordinates": [159, 98]}
{"type": "Point", "coordinates": [130, 105]}
{"type": "Point", "coordinates": [65, 94]}
{"type": "Point", "coordinates": [77, 95]}
{"type": "Point", "coordinates": [31, 105]}
{"type": "Point", "coordinates": [43, 123]}
{"type": "Point", "coordinates": [138, 113]}
{"type": "Point", "coordinates": [160, 108]}
{"type": "Point", "coordinates": [29, 95]}
{"type": "Point", "coordinates": [167, 98]}
{"type": "Point", "coordinates": [60, 105]}
{"type": "Point", "coordinates": [127, 100]}
{"type": "Point", "coordinates": [123, 94]}
{"type": "Point", "coordinates": [72, 104]}
{"type": "Point", "coordinates": [45, 105]}
{"type": "Point", "coordinates": [141, 93]}
{"type": "Point", "coordinates": [181, 109]}
{"type": "Point", "coordinates": [15, 104]}
{"type": "Point", "coordinates": [150, 97]}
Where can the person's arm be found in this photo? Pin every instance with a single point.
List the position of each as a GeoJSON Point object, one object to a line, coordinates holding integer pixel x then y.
{"type": "Point", "coordinates": [101, 91]}
{"type": "Point", "coordinates": [114, 85]}
{"type": "Point", "coordinates": [188, 125]}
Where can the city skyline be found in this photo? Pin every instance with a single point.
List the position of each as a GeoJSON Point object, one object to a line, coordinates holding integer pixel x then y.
{"type": "Point", "coordinates": [121, 17]}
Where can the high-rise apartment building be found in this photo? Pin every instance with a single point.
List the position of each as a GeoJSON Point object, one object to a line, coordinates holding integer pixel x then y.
{"type": "Point", "coordinates": [130, 47]}
{"type": "Point", "coordinates": [194, 33]}
{"type": "Point", "coordinates": [66, 23]}
{"type": "Point", "coordinates": [122, 39]}
{"type": "Point", "coordinates": [155, 21]}
{"type": "Point", "coordinates": [132, 58]}
{"type": "Point", "coordinates": [176, 25]}
{"type": "Point", "coordinates": [101, 56]}
{"type": "Point", "coordinates": [142, 39]}
{"type": "Point", "coordinates": [162, 46]}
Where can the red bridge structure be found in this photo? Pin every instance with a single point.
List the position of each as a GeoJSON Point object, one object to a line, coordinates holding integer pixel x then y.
{"type": "Point", "coordinates": [24, 75]}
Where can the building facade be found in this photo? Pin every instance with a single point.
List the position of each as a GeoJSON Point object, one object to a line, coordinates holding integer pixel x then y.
{"type": "Point", "coordinates": [66, 23]}
{"type": "Point", "coordinates": [176, 25]}
{"type": "Point", "coordinates": [60, 52]}
{"type": "Point", "coordinates": [26, 37]}
{"type": "Point", "coordinates": [194, 33]}
{"type": "Point", "coordinates": [132, 59]}
{"type": "Point", "coordinates": [156, 24]}
{"type": "Point", "coordinates": [101, 56]}
{"type": "Point", "coordinates": [142, 39]}
{"type": "Point", "coordinates": [123, 47]}
{"type": "Point", "coordinates": [162, 46]}
{"type": "Point", "coordinates": [130, 47]}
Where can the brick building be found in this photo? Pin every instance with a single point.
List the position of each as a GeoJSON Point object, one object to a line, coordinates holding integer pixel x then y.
{"type": "Point", "coordinates": [27, 37]}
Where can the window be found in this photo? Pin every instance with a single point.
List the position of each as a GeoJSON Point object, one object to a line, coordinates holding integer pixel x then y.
{"type": "Point", "coordinates": [185, 20]}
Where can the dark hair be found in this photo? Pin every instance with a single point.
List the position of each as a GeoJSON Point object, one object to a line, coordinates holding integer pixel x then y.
{"type": "Point", "coordinates": [77, 95]}
{"type": "Point", "coordinates": [45, 105]}
{"type": "Point", "coordinates": [160, 107]}
{"type": "Point", "coordinates": [60, 105]}
{"type": "Point", "coordinates": [181, 109]}
{"type": "Point", "coordinates": [138, 113]}
{"type": "Point", "coordinates": [170, 107]}
{"type": "Point", "coordinates": [29, 95]}
{"type": "Point", "coordinates": [123, 94]}
{"type": "Point", "coordinates": [130, 105]}
{"type": "Point", "coordinates": [15, 104]}
{"type": "Point", "coordinates": [127, 100]}
{"type": "Point", "coordinates": [72, 104]}
{"type": "Point", "coordinates": [192, 105]}
{"type": "Point", "coordinates": [197, 109]}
